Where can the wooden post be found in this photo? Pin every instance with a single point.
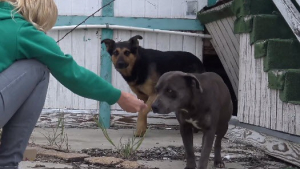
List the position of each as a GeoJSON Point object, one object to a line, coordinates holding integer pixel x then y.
{"type": "Point", "coordinates": [106, 65]}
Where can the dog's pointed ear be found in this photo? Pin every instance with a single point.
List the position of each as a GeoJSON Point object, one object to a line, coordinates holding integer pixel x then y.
{"type": "Point", "coordinates": [193, 81]}
{"type": "Point", "coordinates": [110, 44]}
{"type": "Point", "coordinates": [134, 40]}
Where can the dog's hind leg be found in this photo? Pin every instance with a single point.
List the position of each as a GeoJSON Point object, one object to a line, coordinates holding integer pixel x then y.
{"type": "Point", "coordinates": [142, 118]}
{"type": "Point", "coordinates": [186, 132]}
{"type": "Point", "coordinates": [218, 159]}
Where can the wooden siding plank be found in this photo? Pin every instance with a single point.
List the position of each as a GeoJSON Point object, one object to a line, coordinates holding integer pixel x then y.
{"type": "Point", "coordinates": [252, 82]}
{"type": "Point", "coordinates": [258, 81]}
{"type": "Point", "coordinates": [163, 42]}
{"type": "Point", "coordinates": [138, 10]}
{"type": "Point", "coordinates": [51, 98]}
{"type": "Point", "coordinates": [199, 47]}
{"type": "Point", "coordinates": [297, 123]}
{"type": "Point", "coordinates": [187, 41]}
{"type": "Point", "coordinates": [92, 6]}
{"type": "Point", "coordinates": [176, 42]}
{"type": "Point", "coordinates": [124, 8]}
{"type": "Point", "coordinates": [151, 8]}
{"type": "Point", "coordinates": [290, 14]}
{"type": "Point", "coordinates": [241, 93]}
{"type": "Point", "coordinates": [78, 53]}
{"type": "Point", "coordinates": [64, 95]}
{"type": "Point", "coordinates": [178, 9]}
{"type": "Point", "coordinates": [65, 7]}
{"type": "Point", "coordinates": [292, 118]}
{"type": "Point", "coordinates": [268, 102]}
{"type": "Point", "coordinates": [247, 79]}
{"type": "Point", "coordinates": [150, 40]}
{"type": "Point", "coordinates": [273, 108]}
{"type": "Point", "coordinates": [164, 9]}
{"type": "Point", "coordinates": [228, 39]}
{"type": "Point", "coordinates": [218, 35]}
{"type": "Point", "coordinates": [230, 54]}
{"type": "Point", "coordinates": [285, 116]}
{"type": "Point", "coordinates": [264, 100]}
{"type": "Point", "coordinates": [226, 62]}
{"type": "Point", "coordinates": [78, 7]}
{"type": "Point", "coordinates": [279, 116]}
{"type": "Point", "coordinates": [232, 38]}
{"type": "Point", "coordinates": [92, 59]}
{"type": "Point", "coordinates": [231, 23]}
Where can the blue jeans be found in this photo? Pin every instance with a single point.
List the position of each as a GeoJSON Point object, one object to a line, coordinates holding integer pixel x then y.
{"type": "Point", "coordinates": [23, 89]}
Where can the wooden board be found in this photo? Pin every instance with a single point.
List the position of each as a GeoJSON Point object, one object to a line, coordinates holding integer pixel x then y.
{"type": "Point", "coordinates": [290, 14]}
{"type": "Point", "coordinates": [228, 44]}
{"type": "Point", "coordinates": [278, 148]}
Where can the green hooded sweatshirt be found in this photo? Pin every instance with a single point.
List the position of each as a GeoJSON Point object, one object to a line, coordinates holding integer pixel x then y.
{"type": "Point", "coordinates": [19, 39]}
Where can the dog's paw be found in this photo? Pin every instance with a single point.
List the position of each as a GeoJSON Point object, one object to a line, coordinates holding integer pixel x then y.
{"type": "Point", "coordinates": [219, 164]}
{"type": "Point", "coordinates": [189, 168]}
{"type": "Point", "coordinates": [139, 134]}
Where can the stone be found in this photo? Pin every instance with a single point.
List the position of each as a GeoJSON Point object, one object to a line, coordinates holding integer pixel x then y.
{"type": "Point", "coordinates": [129, 165]}
{"type": "Point", "coordinates": [104, 160]}
{"type": "Point", "coordinates": [74, 157]}
{"type": "Point", "coordinates": [42, 165]}
{"type": "Point", "coordinates": [30, 154]}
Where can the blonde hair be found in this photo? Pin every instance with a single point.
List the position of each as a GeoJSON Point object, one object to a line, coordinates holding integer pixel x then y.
{"type": "Point", "coordinates": [41, 13]}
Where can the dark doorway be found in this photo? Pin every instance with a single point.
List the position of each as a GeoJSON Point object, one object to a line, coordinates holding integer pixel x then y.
{"type": "Point", "coordinates": [212, 63]}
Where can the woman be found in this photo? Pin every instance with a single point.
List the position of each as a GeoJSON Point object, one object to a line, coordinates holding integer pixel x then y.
{"type": "Point", "coordinates": [27, 56]}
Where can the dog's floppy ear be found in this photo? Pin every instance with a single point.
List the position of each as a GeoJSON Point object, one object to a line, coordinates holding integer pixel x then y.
{"type": "Point", "coordinates": [193, 81]}
{"type": "Point", "coordinates": [134, 41]}
{"type": "Point", "coordinates": [109, 43]}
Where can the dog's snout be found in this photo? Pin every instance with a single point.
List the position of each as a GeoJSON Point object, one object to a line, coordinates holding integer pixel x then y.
{"type": "Point", "coordinates": [121, 65]}
{"type": "Point", "coordinates": [155, 107]}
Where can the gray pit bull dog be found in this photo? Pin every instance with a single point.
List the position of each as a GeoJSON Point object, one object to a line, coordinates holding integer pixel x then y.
{"type": "Point", "coordinates": [200, 101]}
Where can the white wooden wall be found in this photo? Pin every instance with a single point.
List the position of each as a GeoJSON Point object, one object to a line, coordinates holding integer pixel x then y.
{"type": "Point", "coordinates": [130, 8]}
{"type": "Point", "coordinates": [259, 105]}
{"type": "Point", "coordinates": [85, 47]}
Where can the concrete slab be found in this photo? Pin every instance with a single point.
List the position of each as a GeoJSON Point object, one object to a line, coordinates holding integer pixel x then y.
{"type": "Point", "coordinates": [93, 138]}
{"type": "Point", "coordinates": [40, 165]}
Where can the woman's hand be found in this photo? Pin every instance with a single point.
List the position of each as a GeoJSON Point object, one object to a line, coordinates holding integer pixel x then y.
{"type": "Point", "coordinates": [130, 103]}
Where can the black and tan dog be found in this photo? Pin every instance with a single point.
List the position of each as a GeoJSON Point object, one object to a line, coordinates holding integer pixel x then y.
{"type": "Point", "coordinates": [200, 101]}
{"type": "Point", "coordinates": [141, 69]}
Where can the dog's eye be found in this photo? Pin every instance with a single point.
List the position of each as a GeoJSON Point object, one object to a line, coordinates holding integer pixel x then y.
{"type": "Point", "coordinates": [170, 91]}
{"type": "Point", "coordinates": [116, 53]}
{"type": "Point", "coordinates": [126, 53]}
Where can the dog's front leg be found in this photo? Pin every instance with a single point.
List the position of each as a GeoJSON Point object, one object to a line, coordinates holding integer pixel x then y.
{"type": "Point", "coordinates": [142, 118]}
{"type": "Point", "coordinates": [186, 132]}
{"type": "Point", "coordinates": [207, 142]}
